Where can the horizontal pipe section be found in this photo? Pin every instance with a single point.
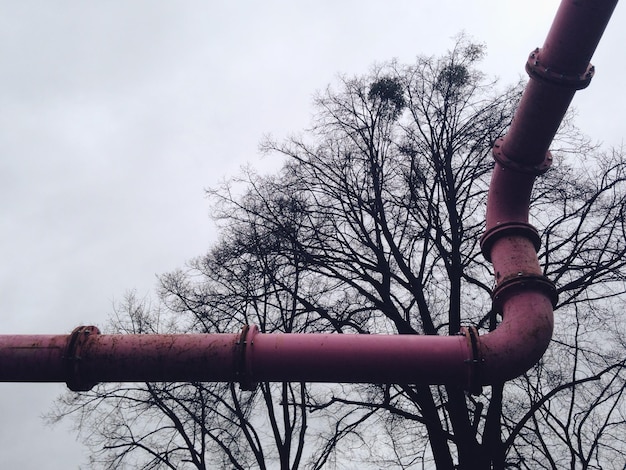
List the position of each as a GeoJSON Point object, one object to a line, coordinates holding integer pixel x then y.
{"type": "Point", "coordinates": [360, 358]}
{"type": "Point", "coordinates": [117, 358]}
{"type": "Point", "coordinates": [259, 357]}
{"type": "Point", "coordinates": [253, 357]}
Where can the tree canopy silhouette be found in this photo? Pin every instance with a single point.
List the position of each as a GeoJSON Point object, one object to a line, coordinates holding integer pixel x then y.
{"type": "Point", "coordinates": [372, 226]}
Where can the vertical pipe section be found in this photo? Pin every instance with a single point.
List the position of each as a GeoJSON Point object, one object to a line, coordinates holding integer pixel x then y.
{"type": "Point", "coordinates": [523, 296]}
{"type": "Point", "coordinates": [557, 70]}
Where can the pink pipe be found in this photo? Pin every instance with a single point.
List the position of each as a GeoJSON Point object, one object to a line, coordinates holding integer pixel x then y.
{"type": "Point", "coordinates": [559, 68]}
{"type": "Point", "coordinates": [87, 357]}
{"type": "Point", "coordinates": [358, 358]}
{"type": "Point", "coordinates": [522, 295]}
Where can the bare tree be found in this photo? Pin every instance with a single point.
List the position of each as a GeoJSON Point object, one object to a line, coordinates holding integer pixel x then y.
{"type": "Point", "coordinates": [189, 425]}
{"type": "Point", "coordinates": [373, 225]}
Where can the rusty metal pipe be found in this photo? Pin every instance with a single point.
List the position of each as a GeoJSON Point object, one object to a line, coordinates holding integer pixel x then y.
{"type": "Point", "coordinates": [87, 357]}
{"type": "Point", "coordinates": [522, 295]}
{"type": "Point", "coordinates": [557, 70]}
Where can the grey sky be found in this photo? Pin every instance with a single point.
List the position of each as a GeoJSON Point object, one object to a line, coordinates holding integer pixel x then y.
{"type": "Point", "coordinates": [115, 116]}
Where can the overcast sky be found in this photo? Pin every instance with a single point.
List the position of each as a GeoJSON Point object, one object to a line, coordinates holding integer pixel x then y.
{"type": "Point", "coordinates": [115, 116]}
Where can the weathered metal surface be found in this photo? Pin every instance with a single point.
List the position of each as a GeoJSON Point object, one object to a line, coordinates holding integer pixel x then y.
{"type": "Point", "coordinates": [522, 295]}
{"type": "Point", "coordinates": [360, 358]}
{"type": "Point", "coordinates": [223, 358]}
{"type": "Point", "coordinates": [566, 52]}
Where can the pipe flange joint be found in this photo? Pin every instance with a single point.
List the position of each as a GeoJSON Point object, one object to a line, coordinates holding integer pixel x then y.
{"type": "Point", "coordinates": [523, 281]}
{"type": "Point", "coordinates": [243, 348]}
{"type": "Point", "coordinates": [73, 356]}
{"type": "Point", "coordinates": [544, 73]}
{"type": "Point", "coordinates": [507, 229]}
{"type": "Point", "coordinates": [536, 170]}
{"type": "Point", "coordinates": [474, 384]}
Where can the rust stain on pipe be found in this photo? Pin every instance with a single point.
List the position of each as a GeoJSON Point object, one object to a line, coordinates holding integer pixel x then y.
{"type": "Point", "coordinates": [522, 295]}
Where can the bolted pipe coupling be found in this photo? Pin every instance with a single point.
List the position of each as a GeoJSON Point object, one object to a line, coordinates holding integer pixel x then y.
{"type": "Point", "coordinates": [507, 229]}
{"type": "Point", "coordinates": [529, 169]}
{"type": "Point", "coordinates": [243, 351]}
{"type": "Point", "coordinates": [539, 71]}
{"type": "Point", "coordinates": [474, 384]}
{"type": "Point", "coordinates": [72, 358]}
{"type": "Point", "coordinates": [523, 281]}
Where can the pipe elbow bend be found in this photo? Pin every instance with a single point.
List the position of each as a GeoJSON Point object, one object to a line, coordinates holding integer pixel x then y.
{"type": "Point", "coordinates": [520, 340]}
